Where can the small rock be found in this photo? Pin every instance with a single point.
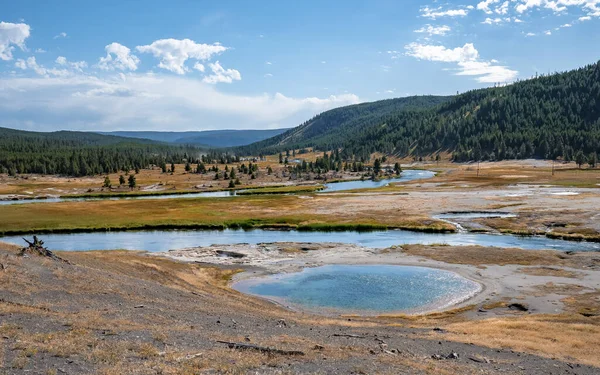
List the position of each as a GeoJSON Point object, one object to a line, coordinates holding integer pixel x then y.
{"type": "Point", "coordinates": [479, 360]}
{"type": "Point", "coordinates": [452, 356]}
{"type": "Point", "coordinates": [318, 347]}
{"type": "Point", "coordinates": [518, 307]}
{"type": "Point", "coordinates": [437, 357]}
{"type": "Point", "coordinates": [138, 307]}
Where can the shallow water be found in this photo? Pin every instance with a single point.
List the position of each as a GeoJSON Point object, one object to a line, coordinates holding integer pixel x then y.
{"type": "Point", "coordinates": [405, 176]}
{"type": "Point", "coordinates": [164, 240]}
{"type": "Point", "coordinates": [363, 289]}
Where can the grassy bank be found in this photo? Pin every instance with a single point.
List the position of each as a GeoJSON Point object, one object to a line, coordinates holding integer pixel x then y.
{"type": "Point", "coordinates": [254, 211]}
{"type": "Point", "coordinates": [281, 190]}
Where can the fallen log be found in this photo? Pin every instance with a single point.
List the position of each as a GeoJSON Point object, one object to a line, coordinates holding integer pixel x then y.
{"type": "Point", "coordinates": [262, 349]}
{"type": "Point", "coordinates": [37, 248]}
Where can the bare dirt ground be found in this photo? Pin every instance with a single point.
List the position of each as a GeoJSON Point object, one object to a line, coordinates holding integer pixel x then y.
{"type": "Point", "coordinates": [126, 312]}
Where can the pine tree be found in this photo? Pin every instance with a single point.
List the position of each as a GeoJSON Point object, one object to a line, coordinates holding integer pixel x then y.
{"type": "Point", "coordinates": [579, 158]}
{"type": "Point", "coordinates": [592, 160]}
{"type": "Point", "coordinates": [132, 181]}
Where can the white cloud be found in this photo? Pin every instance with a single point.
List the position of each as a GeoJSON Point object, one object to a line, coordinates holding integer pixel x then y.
{"type": "Point", "coordinates": [268, 75]}
{"type": "Point", "coordinates": [492, 21]}
{"type": "Point", "coordinates": [592, 7]}
{"type": "Point", "coordinates": [199, 67]}
{"type": "Point", "coordinates": [12, 34]}
{"type": "Point", "coordinates": [530, 34]}
{"type": "Point", "coordinates": [40, 50]}
{"type": "Point", "coordinates": [75, 65]}
{"type": "Point", "coordinates": [133, 101]}
{"type": "Point", "coordinates": [32, 64]}
{"type": "Point", "coordinates": [585, 18]}
{"type": "Point", "coordinates": [502, 9]}
{"type": "Point", "coordinates": [484, 6]}
{"type": "Point", "coordinates": [487, 72]}
{"type": "Point", "coordinates": [434, 30]}
{"type": "Point", "coordinates": [268, 63]}
{"type": "Point", "coordinates": [565, 25]}
{"type": "Point", "coordinates": [548, 32]}
{"type": "Point", "coordinates": [118, 57]}
{"type": "Point", "coordinates": [394, 54]}
{"type": "Point", "coordinates": [441, 53]}
{"type": "Point", "coordinates": [173, 53]}
{"type": "Point", "coordinates": [221, 75]}
{"type": "Point", "coordinates": [60, 35]}
{"type": "Point", "coordinates": [21, 64]}
{"type": "Point", "coordinates": [438, 12]}
{"type": "Point", "coordinates": [467, 59]}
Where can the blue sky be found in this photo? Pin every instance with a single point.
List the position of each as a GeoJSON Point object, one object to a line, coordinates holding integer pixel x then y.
{"type": "Point", "coordinates": [198, 65]}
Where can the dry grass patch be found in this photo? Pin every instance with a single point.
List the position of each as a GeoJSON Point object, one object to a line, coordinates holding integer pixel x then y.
{"type": "Point", "coordinates": [562, 337]}
{"type": "Point", "coordinates": [586, 304]}
{"type": "Point", "coordinates": [480, 255]}
{"type": "Point", "coordinates": [561, 289]}
{"type": "Point", "coordinates": [551, 271]}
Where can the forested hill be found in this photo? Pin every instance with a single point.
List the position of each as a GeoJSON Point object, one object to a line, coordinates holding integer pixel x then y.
{"type": "Point", "coordinates": [208, 138]}
{"type": "Point", "coordinates": [547, 117]}
{"type": "Point", "coordinates": [82, 153]}
{"type": "Point", "coordinates": [329, 129]}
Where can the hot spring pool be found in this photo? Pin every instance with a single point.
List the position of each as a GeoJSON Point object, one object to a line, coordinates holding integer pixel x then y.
{"type": "Point", "coordinates": [363, 289]}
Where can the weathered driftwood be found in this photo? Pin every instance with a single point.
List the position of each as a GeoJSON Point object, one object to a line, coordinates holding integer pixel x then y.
{"type": "Point", "coordinates": [37, 248]}
{"type": "Point", "coordinates": [263, 349]}
{"type": "Point", "coordinates": [348, 335]}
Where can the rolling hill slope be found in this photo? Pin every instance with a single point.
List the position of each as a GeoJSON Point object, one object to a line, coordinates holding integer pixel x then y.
{"type": "Point", "coordinates": [554, 116]}
{"type": "Point", "coordinates": [328, 129]}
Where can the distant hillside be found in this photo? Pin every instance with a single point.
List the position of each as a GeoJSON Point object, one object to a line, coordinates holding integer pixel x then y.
{"type": "Point", "coordinates": [330, 129]}
{"type": "Point", "coordinates": [82, 153]}
{"type": "Point", "coordinates": [209, 138]}
{"type": "Point", "coordinates": [547, 117]}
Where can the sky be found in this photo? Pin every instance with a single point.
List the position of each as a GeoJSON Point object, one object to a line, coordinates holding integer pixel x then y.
{"type": "Point", "coordinates": [199, 65]}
